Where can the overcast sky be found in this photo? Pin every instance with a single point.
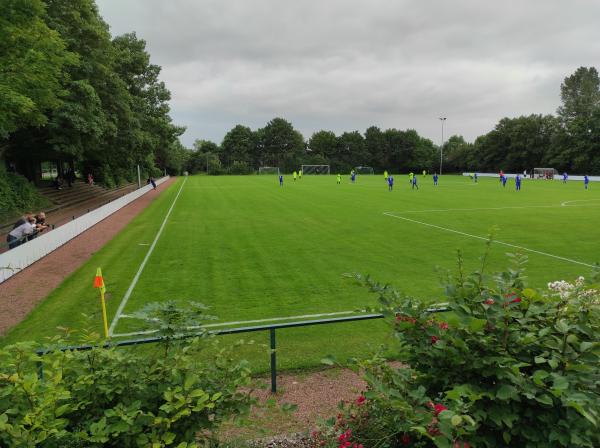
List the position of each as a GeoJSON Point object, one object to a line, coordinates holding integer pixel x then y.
{"type": "Point", "coordinates": [344, 65]}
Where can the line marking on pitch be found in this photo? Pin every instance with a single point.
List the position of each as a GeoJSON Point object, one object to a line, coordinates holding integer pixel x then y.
{"type": "Point", "coordinates": [445, 229]}
{"type": "Point", "coordinates": [565, 204]}
{"type": "Point", "coordinates": [125, 298]}
{"type": "Point", "coordinates": [241, 322]}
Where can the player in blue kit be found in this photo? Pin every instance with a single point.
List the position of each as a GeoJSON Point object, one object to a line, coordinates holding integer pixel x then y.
{"type": "Point", "coordinates": [586, 181]}
{"type": "Point", "coordinates": [390, 183]}
{"type": "Point", "coordinates": [414, 182]}
{"type": "Point", "coordinates": [435, 179]}
{"type": "Point", "coordinates": [518, 182]}
{"type": "Point", "coordinates": [503, 179]}
{"type": "Point", "coordinates": [281, 180]}
{"type": "Point", "coordinates": [565, 177]}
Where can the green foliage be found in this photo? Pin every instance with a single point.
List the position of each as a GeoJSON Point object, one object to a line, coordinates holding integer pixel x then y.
{"type": "Point", "coordinates": [513, 365]}
{"type": "Point", "coordinates": [32, 60]}
{"type": "Point", "coordinates": [111, 397]}
{"type": "Point", "coordinates": [17, 194]}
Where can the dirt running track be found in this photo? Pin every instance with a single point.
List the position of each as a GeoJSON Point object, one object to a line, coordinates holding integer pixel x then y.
{"type": "Point", "coordinates": [22, 292]}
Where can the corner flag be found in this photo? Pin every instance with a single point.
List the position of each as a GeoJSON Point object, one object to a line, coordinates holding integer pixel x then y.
{"type": "Point", "coordinates": [99, 283]}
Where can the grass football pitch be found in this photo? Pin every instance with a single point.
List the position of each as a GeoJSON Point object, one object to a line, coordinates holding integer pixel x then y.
{"type": "Point", "coordinates": [258, 253]}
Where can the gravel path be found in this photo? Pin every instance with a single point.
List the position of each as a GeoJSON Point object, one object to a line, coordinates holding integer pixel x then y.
{"type": "Point", "coordinates": [22, 292]}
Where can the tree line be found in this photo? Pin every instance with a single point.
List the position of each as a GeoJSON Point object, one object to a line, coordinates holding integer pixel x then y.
{"type": "Point", "coordinates": [567, 141]}
{"type": "Point", "coordinates": [70, 91]}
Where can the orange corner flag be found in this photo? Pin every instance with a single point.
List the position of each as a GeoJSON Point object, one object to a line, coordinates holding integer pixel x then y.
{"type": "Point", "coordinates": [99, 281]}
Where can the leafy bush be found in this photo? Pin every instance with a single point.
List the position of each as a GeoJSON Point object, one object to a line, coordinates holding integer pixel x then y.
{"type": "Point", "coordinates": [17, 195]}
{"type": "Point", "coordinates": [173, 395]}
{"type": "Point", "coordinates": [513, 366]}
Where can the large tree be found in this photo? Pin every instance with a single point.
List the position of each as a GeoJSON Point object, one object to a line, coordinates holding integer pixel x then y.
{"type": "Point", "coordinates": [239, 145]}
{"type": "Point", "coordinates": [32, 62]}
{"type": "Point", "coordinates": [281, 145]}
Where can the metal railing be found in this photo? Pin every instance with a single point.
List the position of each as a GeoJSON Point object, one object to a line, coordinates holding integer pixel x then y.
{"type": "Point", "coordinates": [270, 328]}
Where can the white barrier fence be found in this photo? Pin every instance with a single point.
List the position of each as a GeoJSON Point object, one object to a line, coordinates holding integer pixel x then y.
{"type": "Point", "coordinates": [20, 257]}
{"type": "Point", "coordinates": [512, 175]}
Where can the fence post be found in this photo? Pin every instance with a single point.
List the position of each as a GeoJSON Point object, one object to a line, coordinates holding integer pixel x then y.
{"type": "Point", "coordinates": [273, 362]}
{"type": "Point", "coordinates": [40, 369]}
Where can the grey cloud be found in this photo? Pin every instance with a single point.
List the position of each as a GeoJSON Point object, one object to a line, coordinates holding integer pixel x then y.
{"type": "Point", "coordinates": [346, 65]}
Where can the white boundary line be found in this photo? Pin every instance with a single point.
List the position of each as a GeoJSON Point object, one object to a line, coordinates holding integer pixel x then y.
{"type": "Point", "coordinates": [434, 210]}
{"type": "Point", "coordinates": [565, 204]}
{"type": "Point", "coordinates": [485, 239]}
{"type": "Point", "coordinates": [125, 298]}
{"type": "Point", "coordinates": [223, 324]}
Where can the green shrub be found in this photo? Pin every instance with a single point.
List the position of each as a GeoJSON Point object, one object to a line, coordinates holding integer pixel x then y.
{"type": "Point", "coordinates": [513, 366]}
{"type": "Point", "coordinates": [17, 195]}
{"type": "Point", "coordinates": [174, 395]}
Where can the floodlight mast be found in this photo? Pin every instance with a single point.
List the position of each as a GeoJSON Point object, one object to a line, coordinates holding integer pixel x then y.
{"type": "Point", "coordinates": [442, 119]}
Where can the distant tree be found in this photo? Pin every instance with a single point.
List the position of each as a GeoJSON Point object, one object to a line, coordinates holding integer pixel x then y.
{"type": "Point", "coordinates": [351, 151]}
{"type": "Point", "coordinates": [517, 144]}
{"type": "Point", "coordinates": [323, 143]}
{"type": "Point", "coordinates": [281, 145]}
{"type": "Point", "coordinates": [577, 146]}
{"type": "Point", "coordinates": [377, 148]}
{"type": "Point", "coordinates": [239, 145]}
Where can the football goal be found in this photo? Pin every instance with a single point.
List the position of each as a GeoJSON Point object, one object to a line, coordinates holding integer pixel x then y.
{"type": "Point", "coordinates": [364, 170]}
{"type": "Point", "coordinates": [268, 170]}
{"type": "Point", "coordinates": [544, 173]}
{"type": "Point", "coordinates": [315, 169]}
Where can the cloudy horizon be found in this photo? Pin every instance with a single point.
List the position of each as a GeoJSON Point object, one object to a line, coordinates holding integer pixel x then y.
{"type": "Point", "coordinates": [346, 65]}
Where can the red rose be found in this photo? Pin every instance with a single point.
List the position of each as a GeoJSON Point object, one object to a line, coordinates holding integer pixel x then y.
{"type": "Point", "coordinates": [405, 439]}
{"type": "Point", "coordinates": [489, 301]}
{"type": "Point", "coordinates": [439, 408]}
{"type": "Point", "coordinates": [360, 400]}
{"type": "Point", "coordinates": [516, 300]}
{"type": "Point", "coordinates": [443, 325]}
{"type": "Point", "coordinates": [434, 339]}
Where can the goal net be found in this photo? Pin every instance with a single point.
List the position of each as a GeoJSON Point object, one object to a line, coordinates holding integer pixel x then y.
{"type": "Point", "coordinates": [544, 173]}
{"type": "Point", "coordinates": [268, 170]}
{"type": "Point", "coordinates": [364, 170]}
{"type": "Point", "coordinates": [315, 169]}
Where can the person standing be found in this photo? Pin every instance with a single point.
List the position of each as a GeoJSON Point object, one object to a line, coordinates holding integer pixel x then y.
{"type": "Point", "coordinates": [353, 176]}
{"type": "Point", "coordinates": [565, 177]}
{"type": "Point", "coordinates": [435, 179]}
{"type": "Point", "coordinates": [281, 180]}
{"type": "Point", "coordinates": [390, 183]}
{"type": "Point", "coordinates": [518, 182]}
{"type": "Point", "coordinates": [414, 182]}
{"type": "Point", "coordinates": [503, 180]}
{"type": "Point", "coordinates": [295, 174]}
{"type": "Point", "coordinates": [339, 178]}
{"type": "Point", "coordinates": [385, 175]}
{"type": "Point", "coordinates": [300, 175]}
{"type": "Point", "coordinates": [586, 181]}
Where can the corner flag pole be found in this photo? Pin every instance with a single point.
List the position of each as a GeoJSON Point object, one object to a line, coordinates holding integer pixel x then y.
{"type": "Point", "coordinates": [99, 283]}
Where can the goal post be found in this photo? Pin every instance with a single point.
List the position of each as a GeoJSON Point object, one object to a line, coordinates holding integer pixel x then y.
{"type": "Point", "coordinates": [268, 170]}
{"type": "Point", "coordinates": [315, 169]}
{"type": "Point", "coordinates": [545, 173]}
{"type": "Point", "coordinates": [364, 170]}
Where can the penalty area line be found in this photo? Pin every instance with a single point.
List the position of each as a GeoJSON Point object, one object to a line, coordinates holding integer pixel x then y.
{"type": "Point", "coordinates": [125, 298]}
{"type": "Point", "coordinates": [458, 232]}
{"type": "Point", "coordinates": [241, 322]}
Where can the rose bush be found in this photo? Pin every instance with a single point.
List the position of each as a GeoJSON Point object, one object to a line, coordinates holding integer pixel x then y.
{"type": "Point", "coordinates": [507, 365]}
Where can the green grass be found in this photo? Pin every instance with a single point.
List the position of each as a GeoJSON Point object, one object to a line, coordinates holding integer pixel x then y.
{"type": "Point", "coordinates": [252, 250]}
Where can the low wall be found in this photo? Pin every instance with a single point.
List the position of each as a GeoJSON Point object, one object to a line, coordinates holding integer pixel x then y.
{"type": "Point", "coordinates": [20, 257]}
{"type": "Point", "coordinates": [512, 175]}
